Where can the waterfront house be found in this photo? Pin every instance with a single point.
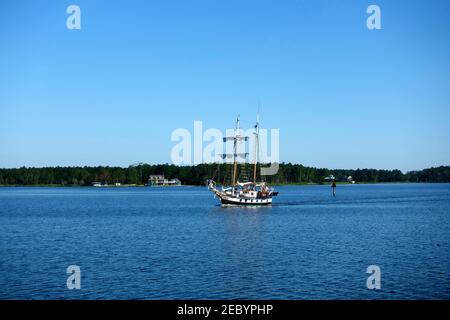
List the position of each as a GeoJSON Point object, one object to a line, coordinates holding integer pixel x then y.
{"type": "Point", "coordinates": [160, 180]}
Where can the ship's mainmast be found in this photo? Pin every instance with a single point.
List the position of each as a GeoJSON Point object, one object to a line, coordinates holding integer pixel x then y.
{"type": "Point", "coordinates": [256, 133]}
{"type": "Point", "coordinates": [236, 137]}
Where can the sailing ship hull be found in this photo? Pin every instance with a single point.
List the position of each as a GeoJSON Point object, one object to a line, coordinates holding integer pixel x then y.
{"type": "Point", "coordinates": [265, 202]}
{"type": "Point", "coordinates": [226, 200]}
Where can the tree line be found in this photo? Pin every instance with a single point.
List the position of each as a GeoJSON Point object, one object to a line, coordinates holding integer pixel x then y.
{"type": "Point", "coordinates": [288, 173]}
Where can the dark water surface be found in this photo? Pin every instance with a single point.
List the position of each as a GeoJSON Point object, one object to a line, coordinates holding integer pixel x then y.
{"type": "Point", "coordinates": [176, 243]}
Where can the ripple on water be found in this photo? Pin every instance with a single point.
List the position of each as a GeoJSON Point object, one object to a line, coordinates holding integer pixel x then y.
{"type": "Point", "coordinates": [178, 244]}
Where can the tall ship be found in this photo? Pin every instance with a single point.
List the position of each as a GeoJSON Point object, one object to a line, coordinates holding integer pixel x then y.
{"type": "Point", "coordinates": [249, 193]}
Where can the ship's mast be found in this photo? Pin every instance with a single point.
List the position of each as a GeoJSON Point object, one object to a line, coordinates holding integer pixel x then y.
{"type": "Point", "coordinates": [236, 139]}
{"type": "Point", "coordinates": [256, 148]}
{"type": "Point", "coordinates": [235, 152]}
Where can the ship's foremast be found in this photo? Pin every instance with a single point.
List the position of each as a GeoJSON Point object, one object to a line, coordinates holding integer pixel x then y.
{"type": "Point", "coordinates": [237, 138]}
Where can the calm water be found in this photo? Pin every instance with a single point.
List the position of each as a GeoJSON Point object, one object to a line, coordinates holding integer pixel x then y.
{"type": "Point", "coordinates": [176, 243]}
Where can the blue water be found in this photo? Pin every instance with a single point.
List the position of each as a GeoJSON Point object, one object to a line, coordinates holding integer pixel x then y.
{"type": "Point", "coordinates": [176, 243]}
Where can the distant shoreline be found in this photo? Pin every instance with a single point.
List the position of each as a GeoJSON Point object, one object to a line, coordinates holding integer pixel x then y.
{"type": "Point", "coordinates": [136, 175]}
{"type": "Point", "coordinates": [196, 185]}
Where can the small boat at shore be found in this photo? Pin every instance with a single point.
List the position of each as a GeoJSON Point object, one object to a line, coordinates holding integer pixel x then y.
{"type": "Point", "coordinates": [251, 193]}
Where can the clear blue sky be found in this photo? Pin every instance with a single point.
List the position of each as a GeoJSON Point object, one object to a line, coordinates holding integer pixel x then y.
{"type": "Point", "coordinates": [111, 93]}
